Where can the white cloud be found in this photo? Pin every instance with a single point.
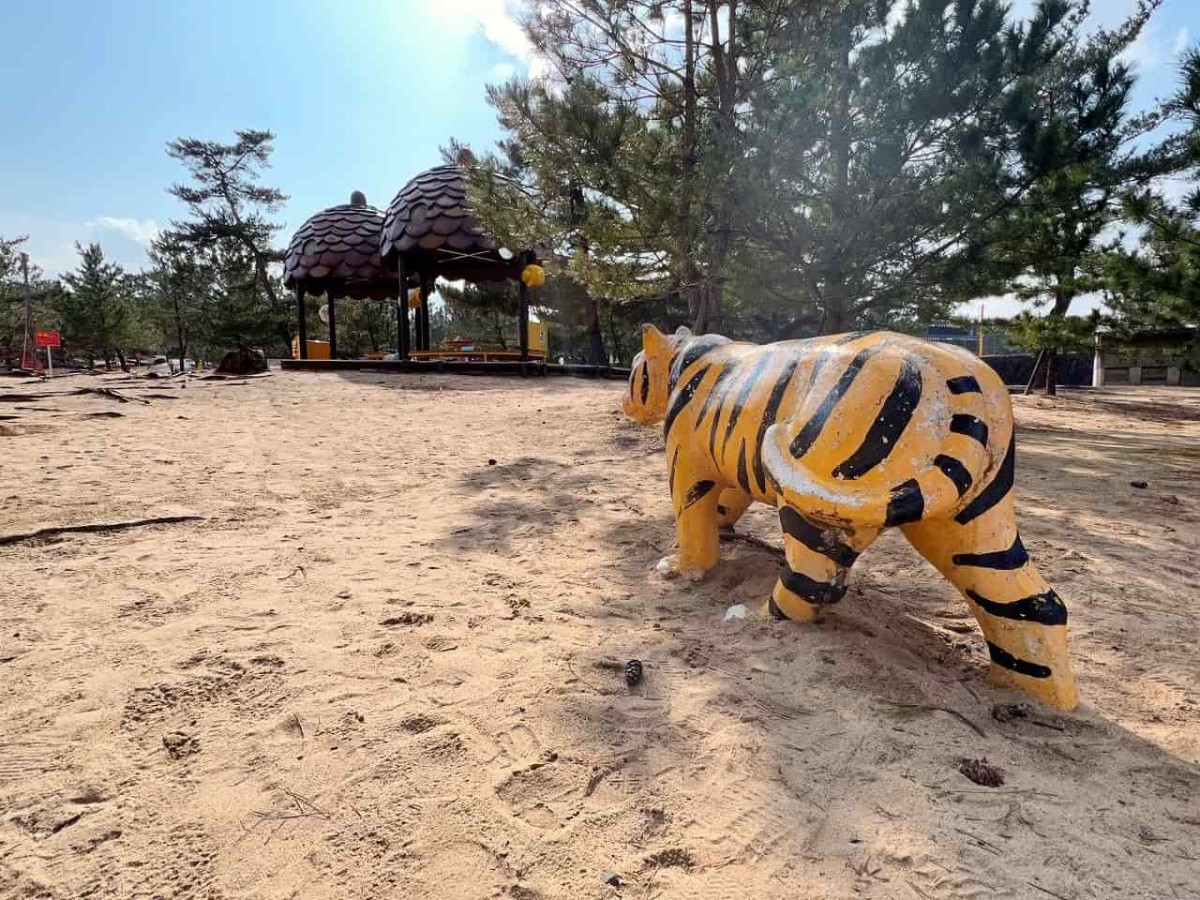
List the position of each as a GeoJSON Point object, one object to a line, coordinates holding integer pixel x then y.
{"type": "Point", "coordinates": [494, 17]}
{"type": "Point", "coordinates": [497, 20]}
{"type": "Point", "coordinates": [140, 231]}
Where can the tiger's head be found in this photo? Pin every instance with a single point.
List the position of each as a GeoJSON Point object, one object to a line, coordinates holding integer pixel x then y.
{"type": "Point", "coordinates": [646, 400]}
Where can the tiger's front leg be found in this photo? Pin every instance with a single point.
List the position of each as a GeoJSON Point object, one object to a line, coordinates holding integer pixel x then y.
{"type": "Point", "coordinates": [694, 496]}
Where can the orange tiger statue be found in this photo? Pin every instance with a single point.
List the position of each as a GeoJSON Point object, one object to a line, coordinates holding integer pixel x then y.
{"type": "Point", "coordinates": [847, 435]}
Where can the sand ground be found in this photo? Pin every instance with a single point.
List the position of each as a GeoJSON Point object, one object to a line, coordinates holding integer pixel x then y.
{"type": "Point", "coordinates": [381, 667]}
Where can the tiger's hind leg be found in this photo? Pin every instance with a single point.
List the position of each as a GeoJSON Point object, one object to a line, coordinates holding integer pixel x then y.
{"type": "Point", "coordinates": [1022, 618]}
{"type": "Point", "coordinates": [731, 506]}
{"type": "Point", "coordinates": [818, 559]}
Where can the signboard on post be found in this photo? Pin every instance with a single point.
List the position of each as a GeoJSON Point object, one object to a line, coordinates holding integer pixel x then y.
{"type": "Point", "coordinates": [48, 339]}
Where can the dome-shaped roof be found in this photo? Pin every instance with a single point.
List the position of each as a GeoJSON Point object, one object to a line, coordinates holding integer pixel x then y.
{"type": "Point", "coordinates": [429, 225]}
{"type": "Point", "coordinates": [336, 253]}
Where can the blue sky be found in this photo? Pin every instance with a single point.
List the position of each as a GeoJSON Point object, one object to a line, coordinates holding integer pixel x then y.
{"type": "Point", "coordinates": [360, 94]}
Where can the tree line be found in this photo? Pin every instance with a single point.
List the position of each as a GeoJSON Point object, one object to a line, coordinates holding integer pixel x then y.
{"type": "Point", "coordinates": [770, 169]}
{"type": "Point", "coordinates": [782, 168]}
{"type": "Point", "coordinates": [208, 286]}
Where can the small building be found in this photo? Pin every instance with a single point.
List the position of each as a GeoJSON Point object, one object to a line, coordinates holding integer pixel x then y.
{"type": "Point", "coordinates": [1145, 358]}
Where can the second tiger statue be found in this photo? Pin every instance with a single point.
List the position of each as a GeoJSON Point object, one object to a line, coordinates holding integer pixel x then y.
{"type": "Point", "coordinates": [847, 435]}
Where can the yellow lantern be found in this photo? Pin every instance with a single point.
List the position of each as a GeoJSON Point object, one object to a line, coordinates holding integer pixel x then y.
{"type": "Point", "coordinates": [533, 276]}
{"type": "Point", "coordinates": [414, 298]}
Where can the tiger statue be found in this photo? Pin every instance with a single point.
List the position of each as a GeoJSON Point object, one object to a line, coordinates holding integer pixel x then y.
{"type": "Point", "coordinates": [847, 435]}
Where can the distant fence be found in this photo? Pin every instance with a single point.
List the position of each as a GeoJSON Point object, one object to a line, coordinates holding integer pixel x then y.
{"type": "Point", "coordinates": [1074, 369]}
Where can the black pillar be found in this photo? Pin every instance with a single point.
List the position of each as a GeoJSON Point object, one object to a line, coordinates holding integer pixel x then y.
{"type": "Point", "coordinates": [402, 333]}
{"type": "Point", "coordinates": [523, 318]}
{"type": "Point", "coordinates": [332, 329]}
{"type": "Point", "coordinates": [302, 313]}
{"type": "Point", "coordinates": [426, 290]}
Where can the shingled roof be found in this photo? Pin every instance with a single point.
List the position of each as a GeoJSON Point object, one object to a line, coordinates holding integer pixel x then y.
{"type": "Point", "coordinates": [430, 226]}
{"type": "Point", "coordinates": [336, 253]}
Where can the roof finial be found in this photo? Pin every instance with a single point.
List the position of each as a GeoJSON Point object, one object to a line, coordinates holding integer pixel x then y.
{"type": "Point", "coordinates": [358, 198]}
{"type": "Point", "coordinates": [466, 157]}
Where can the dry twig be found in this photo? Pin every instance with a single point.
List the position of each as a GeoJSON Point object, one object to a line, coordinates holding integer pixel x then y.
{"type": "Point", "coordinates": [6, 539]}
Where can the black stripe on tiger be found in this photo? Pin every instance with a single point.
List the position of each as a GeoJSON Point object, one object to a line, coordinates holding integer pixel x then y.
{"type": "Point", "coordinates": [819, 593]}
{"type": "Point", "coordinates": [681, 399]}
{"type": "Point", "coordinates": [818, 540]}
{"type": "Point", "coordinates": [1046, 608]}
{"type": "Point", "coordinates": [808, 435]}
{"type": "Point", "coordinates": [698, 492]}
{"type": "Point", "coordinates": [955, 471]}
{"type": "Point", "coordinates": [1007, 560]}
{"type": "Point", "coordinates": [964, 384]}
{"type": "Point", "coordinates": [742, 477]}
{"type": "Point", "coordinates": [696, 348]}
{"type": "Point", "coordinates": [717, 387]}
{"type": "Point", "coordinates": [972, 427]}
{"type": "Point", "coordinates": [1006, 660]}
{"type": "Point", "coordinates": [907, 504]}
{"type": "Point", "coordinates": [671, 478]}
{"type": "Point", "coordinates": [849, 338]}
{"type": "Point", "coordinates": [768, 419]}
{"type": "Point", "coordinates": [739, 402]}
{"type": "Point", "coordinates": [645, 382]}
{"type": "Point", "coordinates": [894, 416]}
{"type": "Point", "coordinates": [996, 491]}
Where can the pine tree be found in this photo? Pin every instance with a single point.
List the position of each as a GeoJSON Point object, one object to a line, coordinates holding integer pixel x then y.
{"type": "Point", "coordinates": [629, 143]}
{"type": "Point", "coordinates": [230, 220]}
{"type": "Point", "coordinates": [1073, 158]}
{"type": "Point", "coordinates": [180, 283]}
{"type": "Point", "coordinates": [96, 311]}
{"type": "Point", "coordinates": [1156, 284]}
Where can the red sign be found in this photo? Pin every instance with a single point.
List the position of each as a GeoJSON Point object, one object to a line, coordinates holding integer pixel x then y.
{"type": "Point", "coordinates": [48, 339]}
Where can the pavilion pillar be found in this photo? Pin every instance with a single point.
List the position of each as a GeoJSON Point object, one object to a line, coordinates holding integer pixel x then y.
{"type": "Point", "coordinates": [302, 315]}
{"type": "Point", "coordinates": [523, 318]}
{"type": "Point", "coordinates": [402, 333]}
{"type": "Point", "coordinates": [332, 327]}
{"type": "Point", "coordinates": [423, 320]}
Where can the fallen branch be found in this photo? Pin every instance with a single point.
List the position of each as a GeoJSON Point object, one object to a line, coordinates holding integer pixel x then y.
{"type": "Point", "coordinates": [753, 541]}
{"type": "Point", "coordinates": [931, 708]}
{"type": "Point", "coordinates": [6, 539]}
{"type": "Point", "coordinates": [112, 393]}
{"type": "Point", "coordinates": [1034, 884]}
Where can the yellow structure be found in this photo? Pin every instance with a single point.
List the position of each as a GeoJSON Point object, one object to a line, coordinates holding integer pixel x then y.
{"type": "Point", "coordinates": [316, 349]}
{"type": "Point", "coordinates": [539, 339]}
{"type": "Point", "coordinates": [533, 276]}
{"type": "Point", "coordinates": [539, 348]}
{"type": "Point", "coordinates": [848, 435]}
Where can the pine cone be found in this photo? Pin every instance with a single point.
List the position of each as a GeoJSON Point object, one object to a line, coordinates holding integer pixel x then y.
{"type": "Point", "coordinates": [633, 672]}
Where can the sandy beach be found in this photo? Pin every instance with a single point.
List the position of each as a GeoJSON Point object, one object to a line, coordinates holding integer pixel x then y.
{"type": "Point", "coordinates": [387, 661]}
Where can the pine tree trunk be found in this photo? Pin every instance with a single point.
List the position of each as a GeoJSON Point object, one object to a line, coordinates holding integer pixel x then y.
{"type": "Point", "coordinates": [688, 277]}
{"type": "Point", "coordinates": [834, 320]}
{"type": "Point", "coordinates": [595, 333]}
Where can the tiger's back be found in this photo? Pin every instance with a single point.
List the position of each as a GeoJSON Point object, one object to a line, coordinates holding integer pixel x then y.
{"type": "Point", "coordinates": [847, 425]}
